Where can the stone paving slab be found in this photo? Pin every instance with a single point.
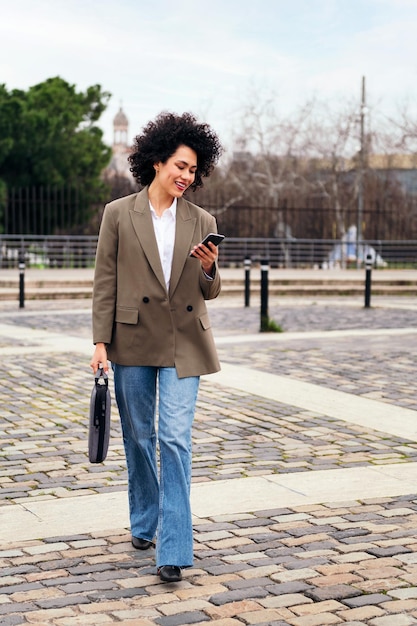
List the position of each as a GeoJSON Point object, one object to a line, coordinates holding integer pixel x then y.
{"type": "Point", "coordinates": [376, 366]}
{"type": "Point", "coordinates": [366, 412]}
{"type": "Point", "coordinates": [33, 518]}
{"type": "Point", "coordinates": [320, 564]}
{"type": "Point", "coordinates": [358, 365]}
{"type": "Point", "coordinates": [236, 434]}
{"type": "Point", "coordinates": [229, 316]}
{"type": "Point", "coordinates": [340, 562]}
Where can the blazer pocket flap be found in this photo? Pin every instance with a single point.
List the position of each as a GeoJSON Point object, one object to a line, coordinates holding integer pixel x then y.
{"type": "Point", "coordinates": [126, 316]}
{"type": "Point", "coordinates": [205, 321]}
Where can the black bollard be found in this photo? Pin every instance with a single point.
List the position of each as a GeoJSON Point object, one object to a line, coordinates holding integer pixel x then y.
{"type": "Point", "coordinates": [264, 295]}
{"type": "Point", "coordinates": [247, 263]}
{"type": "Point", "coordinates": [21, 279]}
{"type": "Point", "coordinates": [368, 280]}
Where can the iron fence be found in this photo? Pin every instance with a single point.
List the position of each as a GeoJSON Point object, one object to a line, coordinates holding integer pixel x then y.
{"type": "Point", "coordinates": [322, 253]}
{"type": "Point", "coordinates": [79, 251]}
{"type": "Point", "coordinates": [44, 210]}
{"type": "Point", "coordinates": [52, 251]}
{"type": "Point", "coordinates": [67, 210]}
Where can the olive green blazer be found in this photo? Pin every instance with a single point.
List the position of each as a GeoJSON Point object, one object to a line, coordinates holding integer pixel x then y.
{"type": "Point", "coordinates": [141, 323]}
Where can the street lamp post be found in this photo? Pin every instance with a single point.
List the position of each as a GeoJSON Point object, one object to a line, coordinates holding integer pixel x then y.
{"type": "Point", "coordinates": [361, 172]}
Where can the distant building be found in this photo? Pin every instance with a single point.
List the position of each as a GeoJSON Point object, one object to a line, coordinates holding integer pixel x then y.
{"type": "Point", "coordinates": [399, 167]}
{"type": "Point", "coordinates": [120, 129]}
{"type": "Point", "coordinates": [119, 165]}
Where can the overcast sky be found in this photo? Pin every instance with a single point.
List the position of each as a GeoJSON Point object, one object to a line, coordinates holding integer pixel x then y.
{"type": "Point", "coordinates": [205, 57]}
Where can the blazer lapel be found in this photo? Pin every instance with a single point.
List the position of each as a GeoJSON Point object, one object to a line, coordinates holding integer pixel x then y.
{"type": "Point", "coordinates": [184, 231]}
{"type": "Point", "coordinates": [142, 223]}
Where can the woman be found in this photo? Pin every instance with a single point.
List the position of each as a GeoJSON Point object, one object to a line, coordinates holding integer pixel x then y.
{"type": "Point", "coordinates": [150, 320]}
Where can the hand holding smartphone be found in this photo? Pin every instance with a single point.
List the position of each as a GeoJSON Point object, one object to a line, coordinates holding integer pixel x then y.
{"type": "Point", "coordinates": [215, 238]}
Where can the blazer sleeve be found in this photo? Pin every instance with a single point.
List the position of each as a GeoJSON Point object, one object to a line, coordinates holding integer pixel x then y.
{"type": "Point", "coordinates": [211, 287]}
{"type": "Point", "coordinates": [105, 279]}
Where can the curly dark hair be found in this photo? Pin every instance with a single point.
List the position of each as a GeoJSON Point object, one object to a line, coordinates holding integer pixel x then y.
{"type": "Point", "coordinates": [161, 138]}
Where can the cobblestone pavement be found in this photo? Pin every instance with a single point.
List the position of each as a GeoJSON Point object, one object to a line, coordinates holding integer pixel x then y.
{"type": "Point", "coordinates": [345, 562]}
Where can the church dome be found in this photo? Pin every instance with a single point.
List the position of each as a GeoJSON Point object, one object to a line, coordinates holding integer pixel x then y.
{"type": "Point", "coordinates": [120, 119]}
{"type": "Point", "coordinates": [120, 130]}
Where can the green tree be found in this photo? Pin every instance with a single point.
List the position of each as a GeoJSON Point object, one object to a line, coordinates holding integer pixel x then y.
{"type": "Point", "coordinates": [49, 137]}
{"type": "Point", "coordinates": [6, 126]}
{"type": "Point", "coordinates": [2, 204]}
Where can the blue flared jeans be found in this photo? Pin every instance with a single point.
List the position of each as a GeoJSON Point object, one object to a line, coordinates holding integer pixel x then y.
{"type": "Point", "coordinates": [159, 502]}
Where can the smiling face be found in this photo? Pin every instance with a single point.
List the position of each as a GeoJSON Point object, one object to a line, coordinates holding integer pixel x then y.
{"type": "Point", "coordinates": [174, 176]}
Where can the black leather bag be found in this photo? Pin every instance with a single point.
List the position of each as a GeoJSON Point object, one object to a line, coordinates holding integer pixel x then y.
{"type": "Point", "coordinates": [99, 427]}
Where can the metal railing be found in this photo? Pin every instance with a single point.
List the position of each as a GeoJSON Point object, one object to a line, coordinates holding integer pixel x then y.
{"type": "Point", "coordinates": [322, 253]}
{"type": "Point", "coordinates": [79, 251]}
{"type": "Point", "coordinates": [47, 251]}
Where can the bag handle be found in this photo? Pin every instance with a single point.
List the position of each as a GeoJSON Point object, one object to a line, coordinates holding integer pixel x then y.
{"type": "Point", "coordinates": [101, 377]}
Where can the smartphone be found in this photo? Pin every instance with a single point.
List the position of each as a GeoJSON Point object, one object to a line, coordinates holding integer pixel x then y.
{"type": "Point", "coordinates": [215, 238]}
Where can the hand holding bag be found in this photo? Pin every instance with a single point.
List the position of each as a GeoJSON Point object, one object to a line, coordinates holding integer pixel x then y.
{"type": "Point", "coordinates": [99, 427]}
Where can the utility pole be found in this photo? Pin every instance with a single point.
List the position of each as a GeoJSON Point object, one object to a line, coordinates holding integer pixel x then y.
{"type": "Point", "coordinates": [361, 173]}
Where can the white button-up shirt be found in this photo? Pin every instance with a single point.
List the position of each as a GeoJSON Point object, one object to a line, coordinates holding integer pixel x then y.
{"type": "Point", "coordinates": [164, 227]}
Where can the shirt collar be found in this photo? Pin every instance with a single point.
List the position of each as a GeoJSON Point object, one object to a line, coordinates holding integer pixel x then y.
{"type": "Point", "coordinates": [172, 210]}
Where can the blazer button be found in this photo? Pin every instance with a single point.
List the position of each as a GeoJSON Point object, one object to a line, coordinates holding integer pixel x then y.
{"type": "Point", "coordinates": [146, 299]}
{"type": "Point", "coordinates": [189, 307]}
